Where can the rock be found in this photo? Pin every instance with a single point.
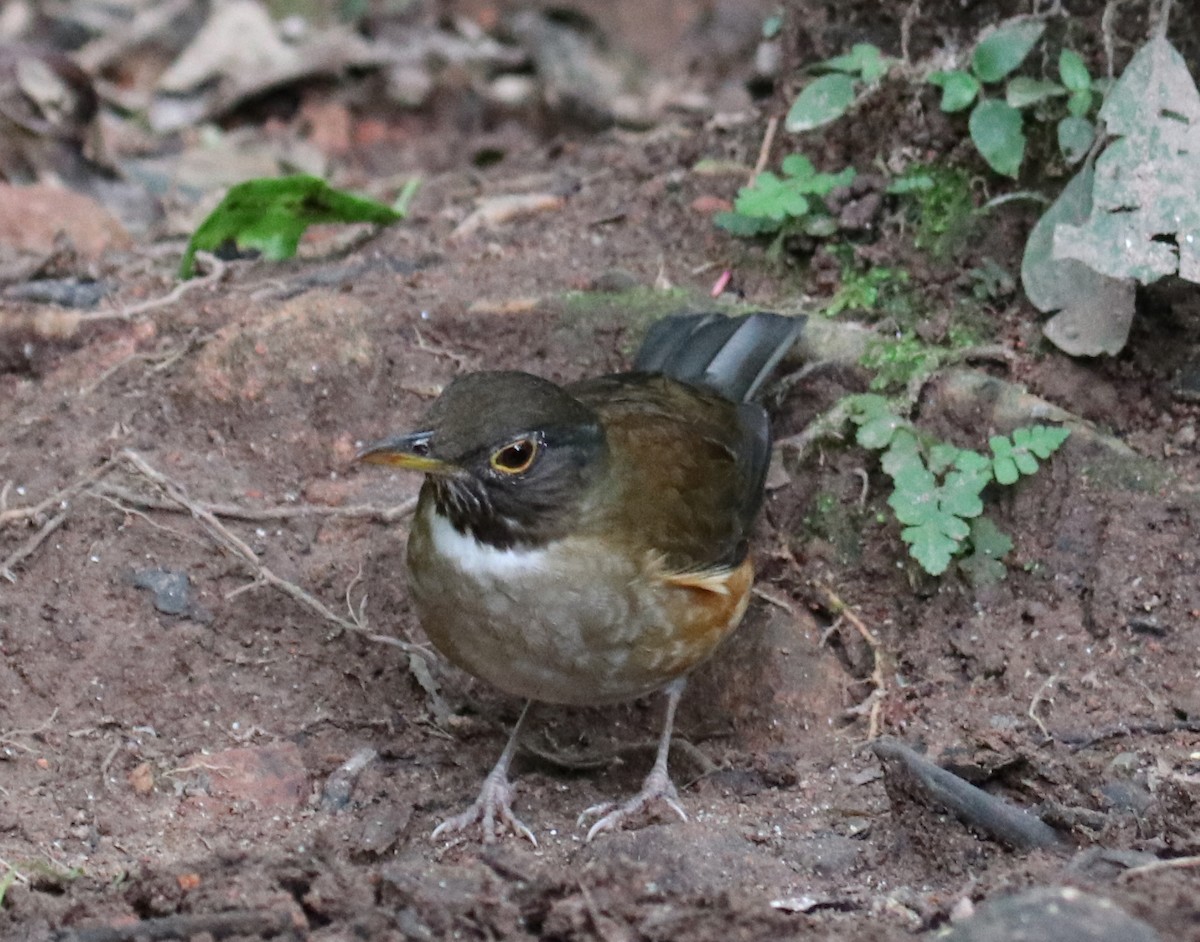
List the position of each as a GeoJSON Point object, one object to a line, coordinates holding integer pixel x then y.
{"type": "Point", "coordinates": [1063, 914]}
{"type": "Point", "coordinates": [264, 777]}
{"type": "Point", "coordinates": [32, 217]}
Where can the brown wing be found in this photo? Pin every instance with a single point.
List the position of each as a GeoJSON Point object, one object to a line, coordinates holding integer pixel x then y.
{"type": "Point", "coordinates": [688, 464]}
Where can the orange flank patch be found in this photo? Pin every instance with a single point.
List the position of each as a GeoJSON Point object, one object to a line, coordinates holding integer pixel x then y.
{"type": "Point", "coordinates": [706, 607]}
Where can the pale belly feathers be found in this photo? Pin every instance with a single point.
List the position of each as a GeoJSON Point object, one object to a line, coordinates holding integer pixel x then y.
{"type": "Point", "coordinates": [568, 623]}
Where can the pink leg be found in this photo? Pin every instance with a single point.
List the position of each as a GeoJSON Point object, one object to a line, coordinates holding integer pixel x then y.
{"type": "Point", "coordinates": [657, 787]}
{"type": "Point", "coordinates": [493, 807]}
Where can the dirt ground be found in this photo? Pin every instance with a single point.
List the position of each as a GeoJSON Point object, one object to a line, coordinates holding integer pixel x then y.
{"type": "Point", "coordinates": [175, 755]}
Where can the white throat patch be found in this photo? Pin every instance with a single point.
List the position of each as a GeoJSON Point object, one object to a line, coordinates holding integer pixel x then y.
{"type": "Point", "coordinates": [479, 559]}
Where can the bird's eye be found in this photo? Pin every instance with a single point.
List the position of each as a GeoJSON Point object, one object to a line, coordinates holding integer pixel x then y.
{"type": "Point", "coordinates": [515, 457]}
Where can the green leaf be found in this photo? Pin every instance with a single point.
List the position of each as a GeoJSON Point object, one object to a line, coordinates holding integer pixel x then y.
{"type": "Point", "coordinates": [1042, 440]}
{"type": "Point", "coordinates": [904, 452]}
{"type": "Point", "coordinates": [1005, 470]}
{"type": "Point", "coordinates": [799, 166]}
{"type": "Point", "coordinates": [863, 406]}
{"type": "Point", "coordinates": [941, 456]}
{"type": "Point", "coordinates": [9, 878]}
{"type": "Point", "coordinates": [822, 184]}
{"type": "Point", "coordinates": [1023, 91]}
{"type": "Point", "coordinates": [972, 462]}
{"type": "Point", "coordinates": [915, 498]}
{"type": "Point", "coordinates": [1025, 462]}
{"type": "Point", "coordinates": [959, 495]}
{"type": "Point", "coordinates": [1079, 104]}
{"type": "Point", "coordinates": [401, 203]}
{"type": "Point", "coordinates": [745, 226]}
{"type": "Point", "coordinates": [989, 539]}
{"type": "Point", "coordinates": [820, 227]}
{"type": "Point", "coordinates": [918, 182]}
{"type": "Point", "coordinates": [877, 433]}
{"type": "Point", "coordinates": [958, 89]}
{"type": "Point", "coordinates": [996, 131]}
{"type": "Point", "coordinates": [863, 60]}
{"type": "Point", "coordinates": [929, 545]}
{"type": "Point", "coordinates": [1005, 49]}
{"type": "Point", "coordinates": [1073, 72]}
{"type": "Point", "coordinates": [1018, 455]}
{"type": "Point", "coordinates": [1003, 466]}
{"type": "Point", "coordinates": [772, 25]}
{"type": "Point", "coordinates": [822, 101]}
{"type": "Point", "coordinates": [1075, 136]}
{"type": "Point", "coordinates": [770, 198]}
{"type": "Point", "coordinates": [271, 215]}
{"type": "Point", "coordinates": [989, 546]}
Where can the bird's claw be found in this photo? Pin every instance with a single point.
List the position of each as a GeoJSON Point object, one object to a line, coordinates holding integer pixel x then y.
{"type": "Point", "coordinates": [657, 789]}
{"type": "Point", "coordinates": [492, 811]}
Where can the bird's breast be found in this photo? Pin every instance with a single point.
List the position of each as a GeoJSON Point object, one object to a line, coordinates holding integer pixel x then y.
{"type": "Point", "coordinates": [575, 621]}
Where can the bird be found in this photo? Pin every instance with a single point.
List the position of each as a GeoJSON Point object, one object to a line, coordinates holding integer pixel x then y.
{"type": "Point", "coordinates": [588, 543]}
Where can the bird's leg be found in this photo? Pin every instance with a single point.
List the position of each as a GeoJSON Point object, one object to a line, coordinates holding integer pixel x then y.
{"type": "Point", "coordinates": [657, 787]}
{"type": "Point", "coordinates": [494, 805]}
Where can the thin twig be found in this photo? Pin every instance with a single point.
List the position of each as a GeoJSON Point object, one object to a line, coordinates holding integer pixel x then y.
{"type": "Point", "coordinates": [38, 511]}
{"type": "Point", "coordinates": [1173, 863]}
{"type": "Point", "coordinates": [260, 514]}
{"type": "Point", "coordinates": [234, 544]}
{"type": "Point", "coordinates": [27, 548]}
{"type": "Point", "coordinates": [1038, 697]}
{"type": "Point", "coordinates": [865, 490]}
{"type": "Point", "coordinates": [134, 512]}
{"type": "Point", "coordinates": [1163, 18]}
{"type": "Point", "coordinates": [1107, 33]}
{"type": "Point", "coordinates": [161, 362]}
{"type": "Point", "coordinates": [764, 151]}
{"type": "Point", "coordinates": [830, 425]}
{"type": "Point", "coordinates": [10, 738]}
{"type": "Point", "coordinates": [776, 600]}
{"type": "Point", "coordinates": [217, 272]}
{"type": "Point", "coordinates": [261, 924]}
{"type": "Point", "coordinates": [17, 874]}
{"type": "Point", "coordinates": [906, 24]}
{"type": "Point", "coordinates": [873, 705]}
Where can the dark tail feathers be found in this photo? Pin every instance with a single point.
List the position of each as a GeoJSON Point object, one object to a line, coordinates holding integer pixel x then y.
{"type": "Point", "coordinates": [730, 355]}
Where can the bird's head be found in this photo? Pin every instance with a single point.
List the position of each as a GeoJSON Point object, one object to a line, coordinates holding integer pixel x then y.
{"type": "Point", "coordinates": [508, 456]}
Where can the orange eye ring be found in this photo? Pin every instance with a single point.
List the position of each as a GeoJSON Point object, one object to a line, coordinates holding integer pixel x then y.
{"type": "Point", "coordinates": [516, 457]}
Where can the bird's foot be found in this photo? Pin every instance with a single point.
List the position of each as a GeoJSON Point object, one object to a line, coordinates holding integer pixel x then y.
{"type": "Point", "coordinates": [657, 788]}
{"type": "Point", "coordinates": [492, 811]}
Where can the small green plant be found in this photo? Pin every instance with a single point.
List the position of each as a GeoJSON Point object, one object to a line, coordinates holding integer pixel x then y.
{"type": "Point", "coordinates": [6, 882]}
{"type": "Point", "coordinates": [990, 282]}
{"type": "Point", "coordinates": [944, 207]}
{"type": "Point", "coordinates": [872, 289]}
{"type": "Point", "coordinates": [772, 25]}
{"type": "Point", "coordinates": [895, 361]}
{"type": "Point", "coordinates": [785, 204]}
{"type": "Point", "coordinates": [46, 870]}
{"type": "Point", "coordinates": [829, 96]}
{"type": "Point", "coordinates": [836, 523]}
{"type": "Point", "coordinates": [996, 125]}
{"type": "Point", "coordinates": [938, 487]}
{"type": "Point", "coordinates": [270, 215]}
